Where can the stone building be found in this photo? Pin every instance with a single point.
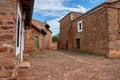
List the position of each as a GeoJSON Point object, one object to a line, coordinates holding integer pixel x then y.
{"type": "Point", "coordinates": [96, 31]}
{"type": "Point", "coordinates": [39, 37]}
{"type": "Point", "coordinates": [15, 17]}
{"type": "Point", "coordinates": [65, 24]}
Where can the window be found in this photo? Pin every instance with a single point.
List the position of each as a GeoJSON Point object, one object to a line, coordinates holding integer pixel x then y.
{"type": "Point", "coordinates": [18, 33]}
{"type": "Point", "coordinates": [80, 26]}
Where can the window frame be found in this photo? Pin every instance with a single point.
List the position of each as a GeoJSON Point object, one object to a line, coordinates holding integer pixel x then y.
{"type": "Point", "coordinates": [78, 26]}
{"type": "Point", "coordinates": [18, 33]}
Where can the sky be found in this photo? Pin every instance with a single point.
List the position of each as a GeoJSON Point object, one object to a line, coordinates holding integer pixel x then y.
{"type": "Point", "coordinates": [52, 11]}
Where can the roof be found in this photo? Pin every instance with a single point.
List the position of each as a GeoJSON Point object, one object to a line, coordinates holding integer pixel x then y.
{"type": "Point", "coordinates": [27, 8]}
{"type": "Point", "coordinates": [110, 1]}
{"type": "Point", "coordinates": [39, 29]}
{"type": "Point", "coordinates": [106, 2]}
{"type": "Point", "coordinates": [100, 6]}
{"type": "Point", "coordinates": [69, 14]}
{"type": "Point", "coordinates": [42, 24]}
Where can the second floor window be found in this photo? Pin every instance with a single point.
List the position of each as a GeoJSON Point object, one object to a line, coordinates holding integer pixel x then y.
{"type": "Point", "coordinates": [80, 26]}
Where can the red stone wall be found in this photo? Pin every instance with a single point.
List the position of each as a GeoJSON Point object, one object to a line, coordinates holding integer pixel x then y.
{"type": "Point", "coordinates": [29, 41]}
{"type": "Point", "coordinates": [65, 25]}
{"type": "Point", "coordinates": [114, 28]}
{"type": "Point", "coordinates": [48, 39]}
{"type": "Point", "coordinates": [44, 40]}
{"type": "Point", "coordinates": [7, 38]}
{"type": "Point", "coordinates": [100, 32]}
{"type": "Point", "coordinates": [94, 35]}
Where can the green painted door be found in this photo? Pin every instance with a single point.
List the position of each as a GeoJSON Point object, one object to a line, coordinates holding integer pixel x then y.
{"type": "Point", "coordinates": [36, 43]}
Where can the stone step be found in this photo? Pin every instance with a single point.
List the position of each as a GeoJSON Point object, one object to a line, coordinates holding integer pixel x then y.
{"type": "Point", "coordinates": [24, 69]}
{"type": "Point", "coordinates": [6, 74]}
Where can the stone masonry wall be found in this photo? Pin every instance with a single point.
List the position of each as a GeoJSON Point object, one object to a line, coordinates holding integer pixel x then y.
{"type": "Point", "coordinates": [100, 33]}
{"type": "Point", "coordinates": [114, 28]}
{"type": "Point", "coordinates": [29, 41]}
{"type": "Point", "coordinates": [48, 39]}
{"type": "Point", "coordinates": [44, 41]}
{"type": "Point", "coordinates": [30, 35]}
{"type": "Point", "coordinates": [7, 38]}
{"type": "Point", "coordinates": [94, 35]}
{"type": "Point", "coordinates": [65, 25]}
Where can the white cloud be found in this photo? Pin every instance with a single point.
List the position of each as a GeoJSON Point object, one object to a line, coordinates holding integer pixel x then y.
{"type": "Point", "coordinates": [55, 8]}
{"type": "Point", "coordinates": [54, 25]}
{"type": "Point", "coordinates": [93, 1]}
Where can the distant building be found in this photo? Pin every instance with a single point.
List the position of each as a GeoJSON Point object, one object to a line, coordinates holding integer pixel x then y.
{"type": "Point", "coordinates": [96, 31]}
{"type": "Point", "coordinates": [55, 45]}
{"type": "Point", "coordinates": [38, 37]}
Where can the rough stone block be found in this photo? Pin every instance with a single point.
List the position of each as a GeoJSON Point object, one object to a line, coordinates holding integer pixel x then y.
{"type": "Point", "coordinates": [10, 37]}
{"type": "Point", "coordinates": [3, 49]}
{"type": "Point", "coordinates": [10, 67]}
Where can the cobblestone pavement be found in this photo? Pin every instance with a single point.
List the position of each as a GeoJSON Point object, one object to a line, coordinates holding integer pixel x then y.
{"type": "Point", "coordinates": [66, 65]}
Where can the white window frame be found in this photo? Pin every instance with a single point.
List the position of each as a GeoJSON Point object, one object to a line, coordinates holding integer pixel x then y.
{"type": "Point", "coordinates": [19, 18]}
{"type": "Point", "coordinates": [79, 30]}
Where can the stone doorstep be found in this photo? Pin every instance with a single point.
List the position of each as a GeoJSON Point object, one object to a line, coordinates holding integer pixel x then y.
{"type": "Point", "coordinates": [6, 74]}
{"type": "Point", "coordinates": [24, 65]}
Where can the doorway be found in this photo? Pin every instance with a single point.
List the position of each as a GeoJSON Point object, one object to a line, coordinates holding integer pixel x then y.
{"type": "Point", "coordinates": [36, 43]}
{"type": "Point", "coordinates": [66, 44]}
{"type": "Point", "coordinates": [78, 43]}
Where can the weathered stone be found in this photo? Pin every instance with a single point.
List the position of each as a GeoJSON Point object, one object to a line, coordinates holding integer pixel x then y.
{"type": "Point", "coordinates": [23, 65]}
{"type": "Point", "coordinates": [1, 22]}
{"type": "Point", "coordinates": [3, 49]}
{"type": "Point", "coordinates": [6, 74]}
{"type": "Point", "coordinates": [10, 67]}
{"type": "Point", "coordinates": [10, 23]}
{"type": "Point", "coordinates": [11, 27]}
{"type": "Point", "coordinates": [2, 13]}
{"type": "Point", "coordinates": [11, 50]}
{"type": "Point", "coordinates": [10, 37]}
{"type": "Point", "coordinates": [4, 27]}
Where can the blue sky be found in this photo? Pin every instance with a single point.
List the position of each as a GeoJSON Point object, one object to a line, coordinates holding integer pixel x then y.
{"type": "Point", "coordinates": [53, 10]}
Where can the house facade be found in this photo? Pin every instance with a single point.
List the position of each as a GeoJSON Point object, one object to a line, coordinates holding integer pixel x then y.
{"type": "Point", "coordinates": [15, 18]}
{"type": "Point", "coordinates": [39, 37]}
{"type": "Point", "coordinates": [97, 31]}
{"type": "Point", "coordinates": [65, 24]}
